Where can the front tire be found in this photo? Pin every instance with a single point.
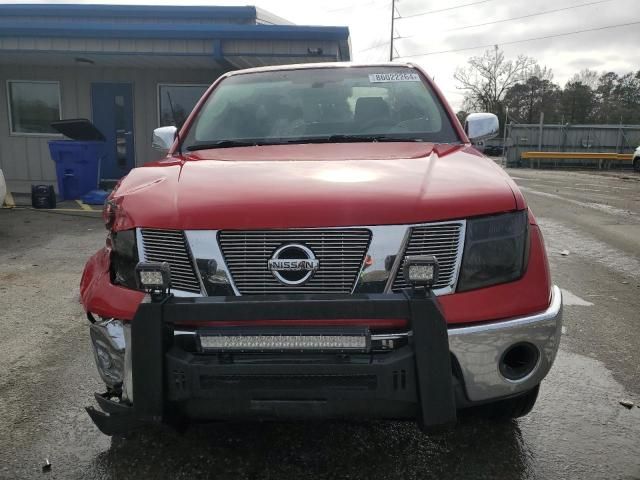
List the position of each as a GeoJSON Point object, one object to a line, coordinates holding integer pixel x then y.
{"type": "Point", "coordinates": [636, 164]}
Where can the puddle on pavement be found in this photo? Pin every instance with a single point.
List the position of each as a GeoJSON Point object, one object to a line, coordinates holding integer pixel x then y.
{"type": "Point", "coordinates": [577, 430]}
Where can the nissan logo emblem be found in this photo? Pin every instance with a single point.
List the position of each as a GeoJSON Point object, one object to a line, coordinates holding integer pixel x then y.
{"type": "Point", "coordinates": [293, 264]}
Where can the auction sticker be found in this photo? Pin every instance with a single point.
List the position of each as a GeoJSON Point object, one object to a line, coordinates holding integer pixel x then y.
{"type": "Point", "coordinates": [394, 77]}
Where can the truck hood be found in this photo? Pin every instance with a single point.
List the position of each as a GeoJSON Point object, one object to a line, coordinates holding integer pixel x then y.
{"type": "Point", "coordinates": [314, 185]}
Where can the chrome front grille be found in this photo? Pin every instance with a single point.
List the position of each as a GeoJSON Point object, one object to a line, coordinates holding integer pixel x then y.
{"type": "Point", "coordinates": [340, 253]}
{"type": "Point", "coordinates": [443, 240]}
{"type": "Point", "coordinates": [170, 246]}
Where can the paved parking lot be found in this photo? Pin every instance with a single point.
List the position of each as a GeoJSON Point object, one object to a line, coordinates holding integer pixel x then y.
{"type": "Point", "coordinates": [578, 429]}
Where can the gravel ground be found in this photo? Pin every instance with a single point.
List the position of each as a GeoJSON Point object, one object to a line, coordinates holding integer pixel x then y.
{"type": "Point", "coordinates": [578, 429]}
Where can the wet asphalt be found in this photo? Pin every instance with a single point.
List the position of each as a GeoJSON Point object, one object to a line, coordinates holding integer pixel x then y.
{"type": "Point", "coordinates": [578, 429]}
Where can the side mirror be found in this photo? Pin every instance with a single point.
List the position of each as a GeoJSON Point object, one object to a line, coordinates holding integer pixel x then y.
{"type": "Point", "coordinates": [163, 138]}
{"type": "Point", "coordinates": [481, 126]}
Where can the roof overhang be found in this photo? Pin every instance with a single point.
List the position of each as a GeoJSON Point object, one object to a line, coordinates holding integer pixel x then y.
{"type": "Point", "coordinates": [88, 11]}
{"type": "Point", "coordinates": [170, 45]}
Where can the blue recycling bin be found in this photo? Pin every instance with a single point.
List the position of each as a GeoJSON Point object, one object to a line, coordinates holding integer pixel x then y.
{"type": "Point", "coordinates": [77, 166]}
{"type": "Point", "coordinates": [78, 160]}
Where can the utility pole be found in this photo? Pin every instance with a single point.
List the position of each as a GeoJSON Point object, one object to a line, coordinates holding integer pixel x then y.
{"type": "Point", "coordinates": [504, 138]}
{"type": "Point", "coordinates": [393, 18]}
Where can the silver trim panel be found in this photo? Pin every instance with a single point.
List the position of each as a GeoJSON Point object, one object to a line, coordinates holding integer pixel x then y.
{"type": "Point", "coordinates": [107, 337]}
{"type": "Point", "coordinates": [204, 245]}
{"type": "Point", "coordinates": [385, 249]}
{"type": "Point", "coordinates": [478, 350]}
{"type": "Point", "coordinates": [127, 383]}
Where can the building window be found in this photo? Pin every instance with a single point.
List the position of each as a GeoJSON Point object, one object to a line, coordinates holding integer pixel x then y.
{"type": "Point", "coordinates": [33, 106]}
{"type": "Point", "coordinates": [183, 98]}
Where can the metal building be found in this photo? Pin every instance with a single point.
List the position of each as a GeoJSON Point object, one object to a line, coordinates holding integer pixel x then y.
{"type": "Point", "coordinates": [569, 138]}
{"type": "Point", "coordinates": [115, 65]}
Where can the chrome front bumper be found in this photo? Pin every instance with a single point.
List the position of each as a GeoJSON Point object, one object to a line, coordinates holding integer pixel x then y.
{"type": "Point", "coordinates": [479, 349]}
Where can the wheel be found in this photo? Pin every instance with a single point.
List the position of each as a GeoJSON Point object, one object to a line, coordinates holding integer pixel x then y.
{"type": "Point", "coordinates": [510, 408]}
{"type": "Point", "coordinates": [636, 164]}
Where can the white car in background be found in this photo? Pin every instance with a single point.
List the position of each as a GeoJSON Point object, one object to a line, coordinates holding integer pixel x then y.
{"type": "Point", "coordinates": [636, 160]}
{"type": "Point", "coordinates": [3, 188]}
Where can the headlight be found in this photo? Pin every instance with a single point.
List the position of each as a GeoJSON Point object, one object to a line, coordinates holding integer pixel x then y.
{"type": "Point", "coordinates": [124, 258]}
{"type": "Point", "coordinates": [495, 251]}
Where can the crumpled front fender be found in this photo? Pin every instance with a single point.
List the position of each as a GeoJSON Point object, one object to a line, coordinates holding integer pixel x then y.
{"type": "Point", "coordinates": [100, 297]}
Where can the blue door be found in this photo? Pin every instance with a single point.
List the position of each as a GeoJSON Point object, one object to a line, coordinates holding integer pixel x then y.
{"type": "Point", "coordinates": [112, 105]}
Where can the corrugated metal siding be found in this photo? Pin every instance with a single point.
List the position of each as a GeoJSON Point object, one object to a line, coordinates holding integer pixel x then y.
{"type": "Point", "coordinates": [137, 20]}
{"type": "Point", "coordinates": [88, 45]}
{"type": "Point", "coordinates": [25, 159]}
{"type": "Point", "coordinates": [570, 138]}
{"type": "Point", "coordinates": [169, 46]}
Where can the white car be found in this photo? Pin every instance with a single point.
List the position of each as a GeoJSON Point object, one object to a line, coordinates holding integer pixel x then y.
{"type": "Point", "coordinates": [3, 188]}
{"type": "Point", "coordinates": [636, 160]}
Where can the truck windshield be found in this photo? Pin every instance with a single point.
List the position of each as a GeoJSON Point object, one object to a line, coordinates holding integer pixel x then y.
{"type": "Point", "coordinates": [321, 105]}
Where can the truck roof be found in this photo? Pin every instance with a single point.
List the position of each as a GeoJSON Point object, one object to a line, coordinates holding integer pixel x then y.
{"type": "Point", "coordinates": [305, 66]}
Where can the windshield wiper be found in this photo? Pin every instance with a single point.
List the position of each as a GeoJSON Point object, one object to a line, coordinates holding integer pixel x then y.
{"type": "Point", "coordinates": [221, 144]}
{"type": "Point", "coordinates": [355, 138]}
{"type": "Point", "coordinates": [327, 139]}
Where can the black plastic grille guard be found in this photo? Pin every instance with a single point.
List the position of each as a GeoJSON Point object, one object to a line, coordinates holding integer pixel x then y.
{"type": "Point", "coordinates": [152, 331]}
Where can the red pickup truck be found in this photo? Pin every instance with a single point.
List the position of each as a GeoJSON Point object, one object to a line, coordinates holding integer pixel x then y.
{"type": "Point", "coordinates": [320, 241]}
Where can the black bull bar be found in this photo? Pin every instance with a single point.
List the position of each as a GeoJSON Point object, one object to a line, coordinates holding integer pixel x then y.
{"type": "Point", "coordinates": [155, 320]}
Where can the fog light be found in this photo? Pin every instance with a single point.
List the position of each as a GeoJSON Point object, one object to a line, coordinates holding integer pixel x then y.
{"type": "Point", "coordinates": [154, 277]}
{"type": "Point", "coordinates": [518, 361]}
{"type": "Point", "coordinates": [420, 270]}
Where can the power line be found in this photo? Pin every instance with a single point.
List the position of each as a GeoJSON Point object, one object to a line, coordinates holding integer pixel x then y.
{"type": "Point", "coordinates": [377, 45]}
{"type": "Point", "coordinates": [546, 12]}
{"type": "Point", "coordinates": [522, 41]}
{"type": "Point", "coordinates": [446, 9]}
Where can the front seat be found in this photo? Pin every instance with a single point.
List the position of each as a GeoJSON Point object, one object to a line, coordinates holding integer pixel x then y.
{"type": "Point", "coordinates": [370, 111]}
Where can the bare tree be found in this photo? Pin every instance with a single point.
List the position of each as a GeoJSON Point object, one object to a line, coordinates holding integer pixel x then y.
{"type": "Point", "coordinates": [487, 79]}
{"type": "Point", "coordinates": [542, 73]}
{"type": "Point", "coordinates": [586, 77]}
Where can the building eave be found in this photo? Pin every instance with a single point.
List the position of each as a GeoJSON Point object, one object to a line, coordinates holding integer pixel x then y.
{"type": "Point", "coordinates": [171, 31]}
{"type": "Point", "coordinates": [91, 11]}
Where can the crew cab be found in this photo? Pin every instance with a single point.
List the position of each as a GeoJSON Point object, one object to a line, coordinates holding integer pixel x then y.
{"type": "Point", "coordinates": [320, 241]}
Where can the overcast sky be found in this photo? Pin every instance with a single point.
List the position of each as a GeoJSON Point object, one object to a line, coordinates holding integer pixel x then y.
{"type": "Point", "coordinates": [615, 49]}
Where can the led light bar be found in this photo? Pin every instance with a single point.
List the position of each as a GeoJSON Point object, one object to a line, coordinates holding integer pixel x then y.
{"type": "Point", "coordinates": [236, 340]}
